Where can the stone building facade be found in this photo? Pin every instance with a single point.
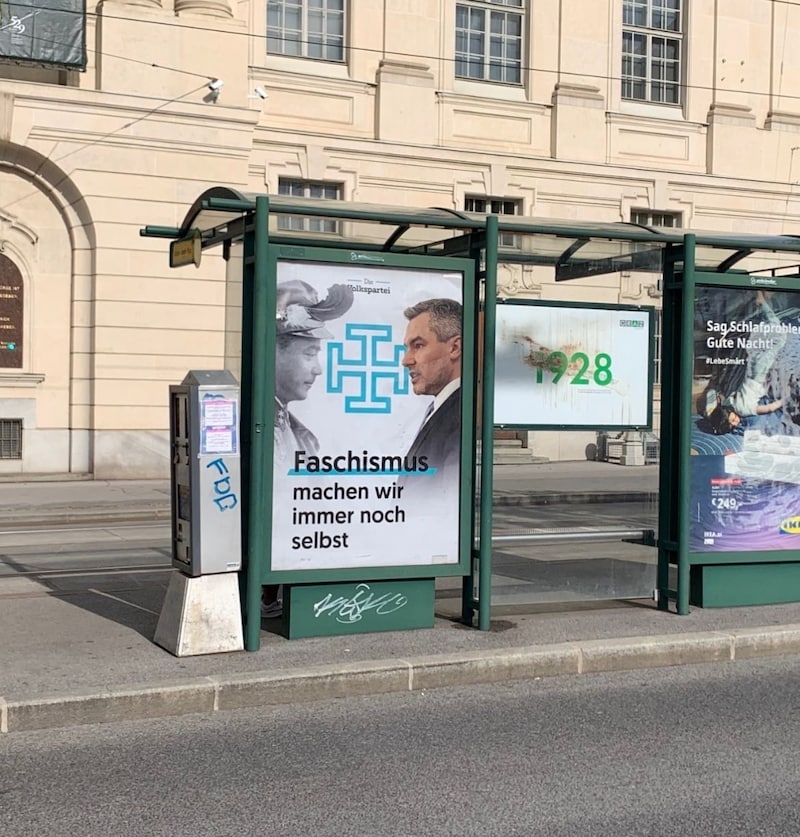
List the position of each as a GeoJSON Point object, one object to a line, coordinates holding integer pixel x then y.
{"type": "Point", "coordinates": [672, 112]}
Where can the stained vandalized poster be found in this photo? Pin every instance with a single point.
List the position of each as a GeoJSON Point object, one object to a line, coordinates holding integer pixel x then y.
{"type": "Point", "coordinates": [368, 416]}
{"type": "Point", "coordinates": [745, 435]}
{"type": "Point", "coordinates": [571, 365]}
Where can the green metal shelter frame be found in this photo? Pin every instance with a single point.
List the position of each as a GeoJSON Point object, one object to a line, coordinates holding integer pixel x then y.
{"type": "Point", "coordinates": [573, 249]}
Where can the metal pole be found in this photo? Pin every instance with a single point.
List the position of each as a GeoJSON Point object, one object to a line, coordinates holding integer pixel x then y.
{"type": "Point", "coordinates": [684, 407]}
{"type": "Point", "coordinates": [469, 582]}
{"type": "Point", "coordinates": [259, 440]}
{"type": "Point", "coordinates": [487, 426]}
{"type": "Point", "coordinates": [670, 422]}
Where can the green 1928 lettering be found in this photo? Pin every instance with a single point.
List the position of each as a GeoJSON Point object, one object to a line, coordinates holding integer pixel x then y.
{"type": "Point", "coordinates": [558, 362]}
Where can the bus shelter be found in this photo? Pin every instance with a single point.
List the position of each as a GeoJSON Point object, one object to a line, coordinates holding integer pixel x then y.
{"type": "Point", "coordinates": [351, 536]}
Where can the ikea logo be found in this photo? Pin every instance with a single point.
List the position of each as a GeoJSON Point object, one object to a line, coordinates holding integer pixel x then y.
{"type": "Point", "coordinates": [790, 526]}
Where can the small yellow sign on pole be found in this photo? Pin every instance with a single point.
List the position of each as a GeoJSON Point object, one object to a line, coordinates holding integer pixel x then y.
{"type": "Point", "coordinates": [186, 251]}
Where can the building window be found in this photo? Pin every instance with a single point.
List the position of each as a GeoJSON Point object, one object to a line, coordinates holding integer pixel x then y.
{"type": "Point", "coordinates": [651, 50]}
{"type": "Point", "coordinates": [646, 218]}
{"type": "Point", "coordinates": [496, 206]}
{"type": "Point", "coordinates": [308, 189]}
{"type": "Point", "coordinates": [306, 28]}
{"type": "Point", "coordinates": [12, 307]}
{"type": "Point", "coordinates": [489, 40]}
{"type": "Point", "coordinates": [10, 438]}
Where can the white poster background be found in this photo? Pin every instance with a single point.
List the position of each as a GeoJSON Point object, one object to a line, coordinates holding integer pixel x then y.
{"type": "Point", "coordinates": [520, 399]}
{"type": "Point", "coordinates": [414, 531]}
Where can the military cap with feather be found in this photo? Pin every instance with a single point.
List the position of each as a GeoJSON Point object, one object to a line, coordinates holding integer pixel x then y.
{"type": "Point", "coordinates": [299, 311]}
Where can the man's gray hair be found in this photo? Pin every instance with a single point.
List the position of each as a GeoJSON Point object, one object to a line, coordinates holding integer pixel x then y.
{"type": "Point", "coordinates": [446, 316]}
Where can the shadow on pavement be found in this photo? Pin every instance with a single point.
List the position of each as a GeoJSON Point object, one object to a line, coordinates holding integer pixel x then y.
{"type": "Point", "coordinates": [131, 599]}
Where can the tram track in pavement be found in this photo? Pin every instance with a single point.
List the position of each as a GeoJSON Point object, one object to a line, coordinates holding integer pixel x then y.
{"type": "Point", "coordinates": [80, 571]}
{"type": "Point", "coordinates": [65, 558]}
{"type": "Point", "coordinates": [74, 551]}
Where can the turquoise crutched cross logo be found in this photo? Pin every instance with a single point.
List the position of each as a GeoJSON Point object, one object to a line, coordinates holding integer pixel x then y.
{"type": "Point", "coordinates": [372, 362]}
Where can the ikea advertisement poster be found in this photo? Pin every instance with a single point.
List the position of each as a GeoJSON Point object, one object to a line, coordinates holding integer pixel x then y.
{"type": "Point", "coordinates": [574, 366]}
{"type": "Point", "coordinates": [745, 437]}
{"type": "Point", "coordinates": [368, 416]}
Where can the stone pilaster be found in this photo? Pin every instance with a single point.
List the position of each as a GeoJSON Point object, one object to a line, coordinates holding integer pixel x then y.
{"type": "Point", "coordinates": [732, 139]}
{"type": "Point", "coordinates": [578, 112]}
{"type": "Point", "coordinates": [406, 102]}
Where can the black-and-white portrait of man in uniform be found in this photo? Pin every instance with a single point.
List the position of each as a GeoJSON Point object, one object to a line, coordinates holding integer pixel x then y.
{"type": "Point", "coordinates": [300, 328]}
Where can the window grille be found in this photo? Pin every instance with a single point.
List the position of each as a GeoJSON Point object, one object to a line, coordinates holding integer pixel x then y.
{"type": "Point", "coordinates": [10, 438]}
{"type": "Point", "coordinates": [656, 219]}
{"type": "Point", "coordinates": [496, 206]}
{"type": "Point", "coordinates": [309, 189]}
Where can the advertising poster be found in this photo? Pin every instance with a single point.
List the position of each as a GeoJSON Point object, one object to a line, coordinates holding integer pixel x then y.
{"type": "Point", "coordinates": [367, 437]}
{"type": "Point", "coordinates": [745, 439]}
{"type": "Point", "coordinates": [572, 366]}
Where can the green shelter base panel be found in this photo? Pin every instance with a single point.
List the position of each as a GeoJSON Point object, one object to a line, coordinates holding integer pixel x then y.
{"type": "Point", "coordinates": [338, 609]}
{"type": "Point", "coordinates": [733, 585]}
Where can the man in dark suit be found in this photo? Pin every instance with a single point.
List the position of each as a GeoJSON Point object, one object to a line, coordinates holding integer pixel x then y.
{"type": "Point", "coordinates": [433, 358]}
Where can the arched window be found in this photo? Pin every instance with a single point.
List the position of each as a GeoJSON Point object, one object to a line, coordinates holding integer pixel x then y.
{"type": "Point", "coordinates": [11, 312]}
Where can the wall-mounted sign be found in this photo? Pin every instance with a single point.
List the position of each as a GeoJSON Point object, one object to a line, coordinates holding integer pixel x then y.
{"type": "Point", "coordinates": [570, 365]}
{"type": "Point", "coordinates": [50, 33]}
{"type": "Point", "coordinates": [368, 438]}
{"type": "Point", "coordinates": [186, 251]}
{"type": "Point", "coordinates": [11, 313]}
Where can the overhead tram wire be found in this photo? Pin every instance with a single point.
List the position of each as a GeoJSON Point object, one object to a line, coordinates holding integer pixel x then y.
{"type": "Point", "coordinates": [440, 58]}
{"type": "Point", "coordinates": [48, 159]}
{"type": "Point", "coordinates": [162, 104]}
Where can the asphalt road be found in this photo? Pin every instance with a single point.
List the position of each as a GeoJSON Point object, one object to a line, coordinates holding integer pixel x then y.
{"type": "Point", "coordinates": [692, 751]}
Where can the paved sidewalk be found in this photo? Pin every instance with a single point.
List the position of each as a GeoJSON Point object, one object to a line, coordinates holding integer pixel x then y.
{"type": "Point", "coordinates": [84, 653]}
{"type": "Point", "coordinates": [26, 504]}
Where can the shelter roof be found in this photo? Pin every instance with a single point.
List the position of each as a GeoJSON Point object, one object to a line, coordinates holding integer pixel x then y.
{"type": "Point", "coordinates": [575, 248]}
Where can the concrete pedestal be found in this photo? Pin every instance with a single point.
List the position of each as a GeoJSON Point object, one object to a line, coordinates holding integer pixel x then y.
{"type": "Point", "coordinates": [201, 615]}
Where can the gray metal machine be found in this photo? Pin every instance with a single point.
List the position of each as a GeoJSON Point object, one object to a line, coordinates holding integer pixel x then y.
{"type": "Point", "coordinates": [206, 473]}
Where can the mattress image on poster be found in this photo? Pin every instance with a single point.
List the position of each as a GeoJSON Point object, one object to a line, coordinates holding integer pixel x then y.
{"type": "Point", "coordinates": [367, 437]}
{"type": "Point", "coordinates": [745, 437]}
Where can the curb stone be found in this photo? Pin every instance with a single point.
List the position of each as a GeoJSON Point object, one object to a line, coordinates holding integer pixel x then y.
{"type": "Point", "coordinates": [238, 691]}
{"type": "Point", "coordinates": [656, 651]}
{"type": "Point", "coordinates": [751, 643]}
